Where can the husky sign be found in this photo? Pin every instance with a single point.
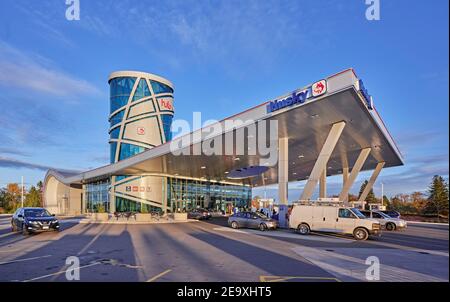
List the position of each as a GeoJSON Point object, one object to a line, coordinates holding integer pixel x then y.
{"type": "Point", "coordinates": [299, 97]}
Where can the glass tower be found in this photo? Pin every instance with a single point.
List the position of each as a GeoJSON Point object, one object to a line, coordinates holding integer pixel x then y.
{"type": "Point", "coordinates": [141, 112]}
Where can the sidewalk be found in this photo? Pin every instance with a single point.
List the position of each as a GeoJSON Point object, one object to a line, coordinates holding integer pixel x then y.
{"type": "Point", "coordinates": [132, 221]}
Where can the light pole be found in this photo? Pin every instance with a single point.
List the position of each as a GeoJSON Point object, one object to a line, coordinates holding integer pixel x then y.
{"type": "Point", "coordinates": [21, 197]}
{"type": "Point", "coordinates": [382, 193]}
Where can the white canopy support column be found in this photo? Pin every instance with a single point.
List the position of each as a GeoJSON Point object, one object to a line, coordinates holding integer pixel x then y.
{"type": "Point", "coordinates": [283, 170]}
{"type": "Point", "coordinates": [345, 172]}
{"type": "Point", "coordinates": [353, 174]}
{"type": "Point", "coordinates": [323, 184]}
{"type": "Point", "coordinates": [372, 180]}
{"type": "Point", "coordinates": [322, 160]}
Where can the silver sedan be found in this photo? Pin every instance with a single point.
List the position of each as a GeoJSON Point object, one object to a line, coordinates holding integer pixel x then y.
{"type": "Point", "coordinates": [253, 220]}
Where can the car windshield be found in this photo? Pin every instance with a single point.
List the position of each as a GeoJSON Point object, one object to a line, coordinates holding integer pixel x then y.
{"type": "Point", "coordinates": [261, 215]}
{"type": "Point", "coordinates": [358, 213]}
{"type": "Point", "coordinates": [37, 213]}
{"type": "Point", "coordinates": [384, 215]}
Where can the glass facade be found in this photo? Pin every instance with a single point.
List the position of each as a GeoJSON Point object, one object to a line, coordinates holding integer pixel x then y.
{"type": "Point", "coordinates": [97, 196]}
{"type": "Point", "coordinates": [120, 90]}
{"type": "Point", "coordinates": [127, 205]}
{"type": "Point", "coordinates": [141, 90]}
{"type": "Point", "coordinates": [160, 87]}
{"type": "Point", "coordinates": [116, 118]}
{"type": "Point", "coordinates": [112, 154]}
{"type": "Point", "coordinates": [114, 134]}
{"type": "Point", "coordinates": [127, 150]}
{"type": "Point", "coordinates": [184, 195]}
{"type": "Point", "coordinates": [167, 123]}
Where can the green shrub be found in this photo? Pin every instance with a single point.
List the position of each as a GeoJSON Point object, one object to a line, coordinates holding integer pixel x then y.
{"type": "Point", "coordinates": [101, 208]}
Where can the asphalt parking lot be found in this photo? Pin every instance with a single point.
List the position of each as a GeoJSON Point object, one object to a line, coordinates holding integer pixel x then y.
{"type": "Point", "coordinates": [210, 251]}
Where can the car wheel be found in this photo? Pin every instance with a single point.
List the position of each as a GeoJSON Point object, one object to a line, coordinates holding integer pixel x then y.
{"type": "Point", "coordinates": [390, 226]}
{"type": "Point", "coordinates": [234, 225]}
{"type": "Point", "coordinates": [262, 227]}
{"type": "Point", "coordinates": [303, 229]}
{"type": "Point", "coordinates": [361, 234]}
{"type": "Point", "coordinates": [24, 230]}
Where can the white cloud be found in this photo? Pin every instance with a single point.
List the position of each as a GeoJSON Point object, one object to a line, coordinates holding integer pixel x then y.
{"type": "Point", "coordinates": [35, 73]}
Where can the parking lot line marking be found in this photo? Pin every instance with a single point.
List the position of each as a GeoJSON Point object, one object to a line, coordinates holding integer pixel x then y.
{"type": "Point", "coordinates": [285, 278]}
{"type": "Point", "coordinates": [25, 259]}
{"type": "Point", "coordinates": [159, 275]}
{"type": "Point", "coordinates": [58, 273]}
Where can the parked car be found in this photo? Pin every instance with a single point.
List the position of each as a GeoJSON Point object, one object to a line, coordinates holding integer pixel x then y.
{"type": "Point", "coordinates": [252, 220]}
{"type": "Point", "coordinates": [393, 214]}
{"type": "Point", "coordinates": [333, 219]}
{"type": "Point", "coordinates": [387, 222]}
{"type": "Point", "coordinates": [199, 214]}
{"type": "Point", "coordinates": [31, 220]}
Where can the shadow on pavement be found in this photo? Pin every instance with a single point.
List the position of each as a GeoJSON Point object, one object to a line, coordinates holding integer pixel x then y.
{"type": "Point", "coordinates": [112, 256]}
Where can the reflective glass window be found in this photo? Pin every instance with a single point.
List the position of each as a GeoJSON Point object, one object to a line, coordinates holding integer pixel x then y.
{"type": "Point", "coordinates": [112, 148]}
{"type": "Point", "coordinates": [160, 87]}
{"type": "Point", "coordinates": [97, 195]}
{"type": "Point", "coordinates": [116, 118]}
{"type": "Point", "coordinates": [167, 123]}
{"type": "Point", "coordinates": [128, 150]}
{"type": "Point", "coordinates": [120, 90]}
{"type": "Point", "coordinates": [141, 90]}
{"type": "Point", "coordinates": [114, 134]}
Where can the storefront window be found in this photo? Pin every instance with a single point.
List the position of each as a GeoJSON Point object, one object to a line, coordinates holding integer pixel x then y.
{"type": "Point", "coordinates": [97, 196]}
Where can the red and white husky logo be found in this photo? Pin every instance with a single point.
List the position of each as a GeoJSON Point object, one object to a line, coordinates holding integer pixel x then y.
{"type": "Point", "coordinates": [319, 88]}
{"type": "Point", "coordinates": [140, 130]}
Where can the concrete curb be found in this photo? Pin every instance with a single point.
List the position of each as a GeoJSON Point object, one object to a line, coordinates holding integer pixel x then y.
{"type": "Point", "coordinates": [85, 221]}
{"type": "Point", "coordinates": [432, 223]}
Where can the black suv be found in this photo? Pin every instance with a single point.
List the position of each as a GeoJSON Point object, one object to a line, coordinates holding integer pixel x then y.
{"type": "Point", "coordinates": [29, 220]}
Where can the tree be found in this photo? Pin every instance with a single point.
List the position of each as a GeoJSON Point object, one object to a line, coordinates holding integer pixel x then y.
{"type": "Point", "coordinates": [438, 196]}
{"type": "Point", "coordinates": [419, 202]}
{"type": "Point", "coordinates": [13, 197]}
{"type": "Point", "coordinates": [370, 197]}
{"type": "Point", "coordinates": [40, 186]}
{"type": "Point", "coordinates": [33, 198]}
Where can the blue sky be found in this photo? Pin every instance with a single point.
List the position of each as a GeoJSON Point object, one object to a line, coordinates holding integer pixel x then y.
{"type": "Point", "coordinates": [223, 57]}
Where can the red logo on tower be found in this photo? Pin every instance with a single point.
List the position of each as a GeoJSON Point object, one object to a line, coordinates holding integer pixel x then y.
{"type": "Point", "coordinates": [140, 130]}
{"type": "Point", "coordinates": [319, 88]}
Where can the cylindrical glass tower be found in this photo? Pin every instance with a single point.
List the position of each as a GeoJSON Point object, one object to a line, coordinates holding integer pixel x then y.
{"type": "Point", "coordinates": [141, 112]}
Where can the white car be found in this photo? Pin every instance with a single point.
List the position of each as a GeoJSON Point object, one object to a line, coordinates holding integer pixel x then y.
{"type": "Point", "coordinates": [386, 221]}
{"type": "Point", "coordinates": [332, 219]}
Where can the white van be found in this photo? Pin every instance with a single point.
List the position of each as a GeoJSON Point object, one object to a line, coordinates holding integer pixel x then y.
{"type": "Point", "coordinates": [334, 219]}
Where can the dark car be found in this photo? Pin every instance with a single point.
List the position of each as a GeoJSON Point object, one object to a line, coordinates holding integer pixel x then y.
{"type": "Point", "coordinates": [31, 220]}
{"type": "Point", "coordinates": [393, 214]}
{"type": "Point", "coordinates": [252, 220]}
{"type": "Point", "coordinates": [199, 214]}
